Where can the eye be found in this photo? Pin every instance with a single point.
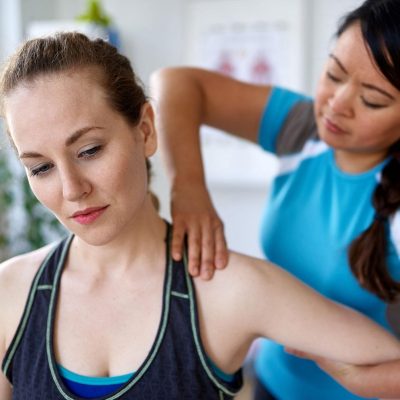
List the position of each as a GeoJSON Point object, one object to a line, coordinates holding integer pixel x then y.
{"type": "Point", "coordinates": [41, 170]}
{"type": "Point", "coordinates": [375, 106]}
{"type": "Point", "coordinates": [332, 77]}
{"type": "Point", "coordinates": [90, 152]}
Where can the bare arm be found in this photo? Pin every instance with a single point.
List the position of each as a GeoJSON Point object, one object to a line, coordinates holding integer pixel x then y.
{"type": "Point", "coordinates": [254, 298]}
{"type": "Point", "coordinates": [270, 302]}
{"type": "Point", "coordinates": [304, 319]}
{"type": "Point", "coordinates": [186, 98]}
{"type": "Point", "coordinates": [324, 327]}
{"type": "Point", "coordinates": [380, 380]}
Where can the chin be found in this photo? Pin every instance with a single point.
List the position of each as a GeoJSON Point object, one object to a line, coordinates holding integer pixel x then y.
{"type": "Point", "coordinates": [330, 139]}
{"type": "Point", "coordinates": [95, 236]}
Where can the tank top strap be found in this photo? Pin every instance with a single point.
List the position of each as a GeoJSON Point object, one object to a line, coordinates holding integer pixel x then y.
{"type": "Point", "coordinates": [185, 325]}
{"type": "Point", "coordinates": [52, 266]}
{"type": "Point", "coordinates": [40, 292]}
{"type": "Point", "coordinates": [179, 283]}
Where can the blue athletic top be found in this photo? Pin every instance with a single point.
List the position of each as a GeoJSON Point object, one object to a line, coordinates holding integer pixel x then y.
{"type": "Point", "coordinates": [89, 387]}
{"type": "Point", "coordinates": [313, 213]}
{"type": "Point", "coordinates": [92, 387]}
{"type": "Point", "coordinates": [176, 366]}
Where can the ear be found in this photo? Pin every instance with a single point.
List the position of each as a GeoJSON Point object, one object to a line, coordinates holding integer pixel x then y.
{"type": "Point", "coordinates": [147, 130]}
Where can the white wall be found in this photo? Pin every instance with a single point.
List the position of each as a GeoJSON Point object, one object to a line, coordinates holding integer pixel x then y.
{"type": "Point", "coordinates": [325, 15]}
{"type": "Point", "coordinates": [10, 26]}
{"type": "Point", "coordinates": [152, 30]}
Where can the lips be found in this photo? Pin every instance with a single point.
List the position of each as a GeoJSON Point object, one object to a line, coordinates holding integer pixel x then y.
{"type": "Point", "coordinates": [88, 215]}
{"type": "Point", "coordinates": [332, 127]}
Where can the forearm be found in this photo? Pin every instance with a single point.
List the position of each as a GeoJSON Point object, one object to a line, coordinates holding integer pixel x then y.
{"type": "Point", "coordinates": [381, 380]}
{"type": "Point", "coordinates": [303, 319]}
{"type": "Point", "coordinates": [186, 98]}
{"type": "Point", "coordinates": [179, 115]}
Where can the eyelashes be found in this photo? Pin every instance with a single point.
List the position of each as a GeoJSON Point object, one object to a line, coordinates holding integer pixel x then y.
{"type": "Point", "coordinates": [41, 170]}
{"type": "Point", "coordinates": [44, 169]}
{"type": "Point", "coordinates": [332, 77]}
{"type": "Point", "coordinates": [374, 106]}
{"type": "Point", "coordinates": [371, 105]}
{"type": "Point", "coordinates": [89, 153]}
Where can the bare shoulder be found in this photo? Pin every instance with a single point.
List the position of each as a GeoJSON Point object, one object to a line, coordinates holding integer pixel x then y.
{"type": "Point", "coordinates": [16, 276]}
{"type": "Point", "coordinates": [250, 287]}
{"type": "Point", "coordinates": [242, 286]}
{"type": "Point", "coordinates": [229, 303]}
{"type": "Point", "coordinates": [242, 273]}
{"type": "Point", "coordinates": [21, 269]}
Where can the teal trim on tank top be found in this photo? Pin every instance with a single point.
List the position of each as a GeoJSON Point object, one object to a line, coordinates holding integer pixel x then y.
{"type": "Point", "coordinates": [221, 374]}
{"type": "Point", "coordinates": [94, 380]}
{"type": "Point", "coordinates": [121, 379]}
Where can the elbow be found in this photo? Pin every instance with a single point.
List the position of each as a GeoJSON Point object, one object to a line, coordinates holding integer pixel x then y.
{"type": "Point", "coordinates": [157, 80]}
{"type": "Point", "coordinates": [160, 74]}
{"type": "Point", "coordinates": [168, 75]}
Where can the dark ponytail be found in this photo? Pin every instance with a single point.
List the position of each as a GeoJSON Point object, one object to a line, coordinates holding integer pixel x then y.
{"type": "Point", "coordinates": [368, 253]}
{"type": "Point", "coordinates": [380, 26]}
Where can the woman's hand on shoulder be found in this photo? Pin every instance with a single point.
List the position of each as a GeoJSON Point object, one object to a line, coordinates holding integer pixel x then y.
{"type": "Point", "coordinates": [194, 217]}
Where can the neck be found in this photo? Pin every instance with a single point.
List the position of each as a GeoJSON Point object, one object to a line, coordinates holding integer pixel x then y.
{"type": "Point", "coordinates": [355, 163]}
{"type": "Point", "coordinates": [142, 244]}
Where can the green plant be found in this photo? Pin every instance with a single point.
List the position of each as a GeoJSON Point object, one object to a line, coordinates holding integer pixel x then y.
{"type": "Point", "coordinates": [40, 223]}
{"type": "Point", "coordinates": [6, 202]}
{"type": "Point", "coordinates": [95, 14]}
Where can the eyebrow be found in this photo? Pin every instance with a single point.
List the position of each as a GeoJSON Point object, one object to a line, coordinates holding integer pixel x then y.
{"type": "Point", "coordinates": [69, 141]}
{"type": "Point", "coordinates": [366, 85]}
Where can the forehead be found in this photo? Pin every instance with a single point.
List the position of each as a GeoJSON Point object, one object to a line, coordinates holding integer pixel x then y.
{"type": "Point", "coordinates": [54, 105]}
{"type": "Point", "coordinates": [353, 51]}
{"type": "Point", "coordinates": [69, 85]}
{"type": "Point", "coordinates": [356, 57]}
{"type": "Point", "coordinates": [351, 44]}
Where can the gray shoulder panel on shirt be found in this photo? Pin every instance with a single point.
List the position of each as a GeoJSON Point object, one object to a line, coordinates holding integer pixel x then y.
{"type": "Point", "coordinates": [299, 127]}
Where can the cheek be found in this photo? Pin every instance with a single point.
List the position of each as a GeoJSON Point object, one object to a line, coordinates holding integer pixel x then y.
{"type": "Point", "coordinates": [127, 174]}
{"type": "Point", "coordinates": [378, 132]}
{"type": "Point", "coordinates": [45, 192]}
{"type": "Point", "coordinates": [321, 96]}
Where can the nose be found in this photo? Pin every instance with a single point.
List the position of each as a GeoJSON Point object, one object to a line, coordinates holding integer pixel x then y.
{"type": "Point", "coordinates": [75, 186]}
{"type": "Point", "coordinates": [341, 101]}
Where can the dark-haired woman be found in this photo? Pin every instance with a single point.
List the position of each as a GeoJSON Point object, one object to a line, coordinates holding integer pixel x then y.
{"type": "Point", "coordinates": [106, 313]}
{"type": "Point", "coordinates": [332, 217]}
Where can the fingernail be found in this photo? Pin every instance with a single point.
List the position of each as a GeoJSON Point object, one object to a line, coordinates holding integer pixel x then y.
{"type": "Point", "coordinates": [207, 275]}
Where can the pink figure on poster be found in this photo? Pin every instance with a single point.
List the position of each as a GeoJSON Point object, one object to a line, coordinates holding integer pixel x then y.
{"type": "Point", "coordinates": [225, 65]}
{"type": "Point", "coordinates": [261, 70]}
